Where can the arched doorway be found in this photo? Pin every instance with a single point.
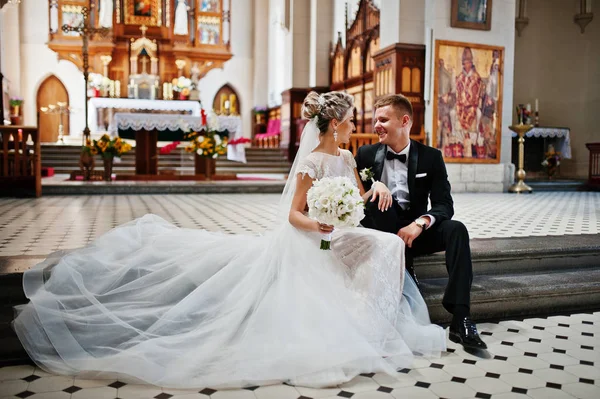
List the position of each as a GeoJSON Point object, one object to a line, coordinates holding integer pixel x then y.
{"type": "Point", "coordinates": [227, 101]}
{"type": "Point", "coordinates": [51, 92]}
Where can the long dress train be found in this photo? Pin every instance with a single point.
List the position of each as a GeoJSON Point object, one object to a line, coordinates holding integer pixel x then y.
{"type": "Point", "coordinates": [190, 308]}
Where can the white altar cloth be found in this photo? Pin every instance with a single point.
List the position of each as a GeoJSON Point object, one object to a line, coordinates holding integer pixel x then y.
{"type": "Point", "coordinates": [563, 143]}
{"type": "Point", "coordinates": [96, 103]}
{"type": "Point", "coordinates": [186, 123]}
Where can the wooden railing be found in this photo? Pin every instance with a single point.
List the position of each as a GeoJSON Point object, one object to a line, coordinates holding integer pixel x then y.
{"type": "Point", "coordinates": [20, 161]}
{"type": "Point", "coordinates": [594, 172]}
{"type": "Point", "coordinates": [357, 140]}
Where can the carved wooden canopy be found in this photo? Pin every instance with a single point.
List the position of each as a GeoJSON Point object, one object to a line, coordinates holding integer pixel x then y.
{"type": "Point", "coordinates": [202, 36]}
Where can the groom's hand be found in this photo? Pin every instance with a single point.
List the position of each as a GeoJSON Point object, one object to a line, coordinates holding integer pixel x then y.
{"type": "Point", "coordinates": [410, 233]}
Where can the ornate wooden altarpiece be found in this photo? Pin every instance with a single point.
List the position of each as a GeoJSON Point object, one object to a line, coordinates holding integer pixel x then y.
{"type": "Point", "coordinates": [148, 39]}
{"type": "Point", "coordinates": [369, 73]}
{"type": "Point", "coordinates": [352, 67]}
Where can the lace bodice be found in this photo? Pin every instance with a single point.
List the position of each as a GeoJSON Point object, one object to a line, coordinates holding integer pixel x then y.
{"type": "Point", "coordinates": [318, 165]}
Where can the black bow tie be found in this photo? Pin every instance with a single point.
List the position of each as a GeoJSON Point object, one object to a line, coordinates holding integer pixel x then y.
{"type": "Point", "coordinates": [400, 157]}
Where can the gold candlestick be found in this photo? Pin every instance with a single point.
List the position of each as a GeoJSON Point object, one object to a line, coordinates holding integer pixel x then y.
{"type": "Point", "coordinates": [520, 186]}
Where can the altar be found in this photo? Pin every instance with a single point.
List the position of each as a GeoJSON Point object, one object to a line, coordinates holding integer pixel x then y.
{"type": "Point", "coordinates": [148, 129]}
{"type": "Point", "coordinates": [102, 110]}
{"type": "Point", "coordinates": [536, 145]}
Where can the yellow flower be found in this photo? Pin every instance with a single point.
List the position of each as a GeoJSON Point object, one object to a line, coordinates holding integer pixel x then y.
{"type": "Point", "coordinates": [94, 151]}
{"type": "Point", "coordinates": [105, 137]}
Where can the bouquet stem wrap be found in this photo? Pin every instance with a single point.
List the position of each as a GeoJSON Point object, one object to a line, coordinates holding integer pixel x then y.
{"type": "Point", "coordinates": [326, 241]}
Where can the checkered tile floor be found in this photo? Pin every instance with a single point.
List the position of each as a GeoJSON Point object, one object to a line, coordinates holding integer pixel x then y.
{"type": "Point", "coordinates": [554, 357]}
{"type": "Point", "coordinates": [40, 226]}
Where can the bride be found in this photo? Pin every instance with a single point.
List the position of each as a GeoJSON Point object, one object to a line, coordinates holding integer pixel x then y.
{"type": "Point", "coordinates": [190, 308]}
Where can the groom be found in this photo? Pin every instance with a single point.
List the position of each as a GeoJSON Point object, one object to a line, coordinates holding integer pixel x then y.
{"type": "Point", "coordinates": [414, 174]}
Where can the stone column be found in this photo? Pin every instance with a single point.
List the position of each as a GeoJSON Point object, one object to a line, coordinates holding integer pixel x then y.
{"type": "Point", "coordinates": [261, 53]}
{"type": "Point", "coordinates": [321, 20]}
{"type": "Point", "coordinates": [402, 21]}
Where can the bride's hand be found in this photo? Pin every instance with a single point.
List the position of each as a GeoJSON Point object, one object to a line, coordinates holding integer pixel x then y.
{"type": "Point", "coordinates": [384, 194]}
{"type": "Point", "coordinates": [323, 228]}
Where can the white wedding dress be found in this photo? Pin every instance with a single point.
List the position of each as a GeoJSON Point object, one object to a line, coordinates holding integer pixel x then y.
{"type": "Point", "coordinates": [191, 308]}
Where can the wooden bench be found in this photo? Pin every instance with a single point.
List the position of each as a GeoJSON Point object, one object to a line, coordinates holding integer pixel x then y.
{"type": "Point", "coordinates": [20, 161]}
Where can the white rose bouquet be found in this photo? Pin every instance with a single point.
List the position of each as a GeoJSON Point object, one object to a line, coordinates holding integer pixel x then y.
{"type": "Point", "coordinates": [335, 201]}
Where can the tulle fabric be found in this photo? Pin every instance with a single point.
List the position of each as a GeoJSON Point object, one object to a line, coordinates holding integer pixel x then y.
{"type": "Point", "coordinates": [190, 308]}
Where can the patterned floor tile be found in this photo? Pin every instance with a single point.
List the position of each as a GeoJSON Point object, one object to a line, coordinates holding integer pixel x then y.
{"type": "Point", "coordinates": [73, 221]}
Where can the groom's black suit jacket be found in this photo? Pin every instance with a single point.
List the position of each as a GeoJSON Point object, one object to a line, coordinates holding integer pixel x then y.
{"type": "Point", "coordinates": [421, 159]}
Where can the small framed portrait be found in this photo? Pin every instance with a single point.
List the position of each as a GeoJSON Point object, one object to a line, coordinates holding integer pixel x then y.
{"type": "Point", "coordinates": [471, 14]}
{"type": "Point", "coordinates": [143, 12]}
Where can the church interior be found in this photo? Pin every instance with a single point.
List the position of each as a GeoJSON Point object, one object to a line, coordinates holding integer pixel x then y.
{"type": "Point", "coordinates": [191, 110]}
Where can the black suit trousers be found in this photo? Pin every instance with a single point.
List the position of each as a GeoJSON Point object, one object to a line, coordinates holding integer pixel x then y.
{"type": "Point", "coordinates": [446, 235]}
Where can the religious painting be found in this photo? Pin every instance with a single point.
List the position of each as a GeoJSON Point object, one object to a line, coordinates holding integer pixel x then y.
{"type": "Point", "coordinates": [209, 5]}
{"type": "Point", "coordinates": [471, 14]}
{"type": "Point", "coordinates": [143, 12]}
{"type": "Point", "coordinates": [72, 16]}
{"type": "Point", "coordinates": [209, 30]}
{"type": "Point", "coordinates": [467, 107]}
{"type": "Point", "coordinates": [141, 8]}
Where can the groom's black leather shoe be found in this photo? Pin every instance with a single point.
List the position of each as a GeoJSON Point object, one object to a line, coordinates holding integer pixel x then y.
{"type": "Point", "coordinates": [465, 333]}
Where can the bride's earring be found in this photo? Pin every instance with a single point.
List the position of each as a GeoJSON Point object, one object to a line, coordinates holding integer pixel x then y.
{"type": "Point", "coordinates": [335, 135]}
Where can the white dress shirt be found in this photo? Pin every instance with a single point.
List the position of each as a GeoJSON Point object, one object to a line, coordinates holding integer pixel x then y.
{"type": "Point", "coordinates": [395, 177]}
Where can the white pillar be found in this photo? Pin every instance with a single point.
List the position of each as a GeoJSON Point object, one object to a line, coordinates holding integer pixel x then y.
{"type": "Point", "coordinates": [11, 49]}
{"type": "Point", "coordinates": [402, 21]}
{"type": "Point", "coordinates": [277, 59]}
{"type": "Point", "coordinates": [321, 20]}
{"type": "Point", "coordinates": [300, 46]}
{"type": "Point", "coordinates": [261, 53]}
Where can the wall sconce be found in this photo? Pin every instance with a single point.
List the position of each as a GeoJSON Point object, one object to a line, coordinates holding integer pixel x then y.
{"type": "Point", "coordinates": [521, 21]}
{"type": "Point", "coordinates": [585, 15]}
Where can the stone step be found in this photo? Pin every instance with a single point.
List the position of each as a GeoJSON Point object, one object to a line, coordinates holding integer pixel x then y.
{"type": "Point", "coordinates": [513, 295]}
{"type": "Point", "coordinates": [240, 186]}
{"type": "Point", "coordinates": [76, 150]}
{"type": "Point", "coordinates": [514, 277]}
{"type": "Point", "coordinates": [130, 163]}
{"type": "Point", "coordinates": [556, 185]}
{"type": "Point", "coordinates": [190, 170]}
{"type": "Point", "coordinates": [520, 255]}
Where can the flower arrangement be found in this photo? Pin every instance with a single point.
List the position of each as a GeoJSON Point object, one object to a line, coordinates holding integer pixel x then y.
{"type": "Point", "coordinates": [335, 201]}
{"type": "Point", "coordinates": [183, 86]}
{"type": "Point", "coordinates": [106, 147]}
{"type": "Point", "coordinates": [551, 160]}
{"type": "Point", "coordinates": [208, 145]}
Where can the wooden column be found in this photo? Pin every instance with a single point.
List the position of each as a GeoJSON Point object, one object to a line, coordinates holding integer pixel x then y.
{"type": "Point", "coordinates": [146, 158]}
{"type": "Point", "coordinates": [400, 69]}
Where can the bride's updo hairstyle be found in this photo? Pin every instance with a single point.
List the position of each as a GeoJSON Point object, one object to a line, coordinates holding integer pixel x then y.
{"type": "Point", "coordinates": [327, 106]}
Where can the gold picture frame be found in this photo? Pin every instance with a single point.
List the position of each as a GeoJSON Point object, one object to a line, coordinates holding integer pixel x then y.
{"type": "Point", "coordinates": [467, 101]}
{"type": "Point", "coordinates": [143, 12]}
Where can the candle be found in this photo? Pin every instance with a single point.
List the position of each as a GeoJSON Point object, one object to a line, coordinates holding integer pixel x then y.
{"type": "Point", "coordinates": [223, 99]}
{"type": "Point", "coordinates": [232, 103]}
{"type": "Point", "coordinates": [536, 105]}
